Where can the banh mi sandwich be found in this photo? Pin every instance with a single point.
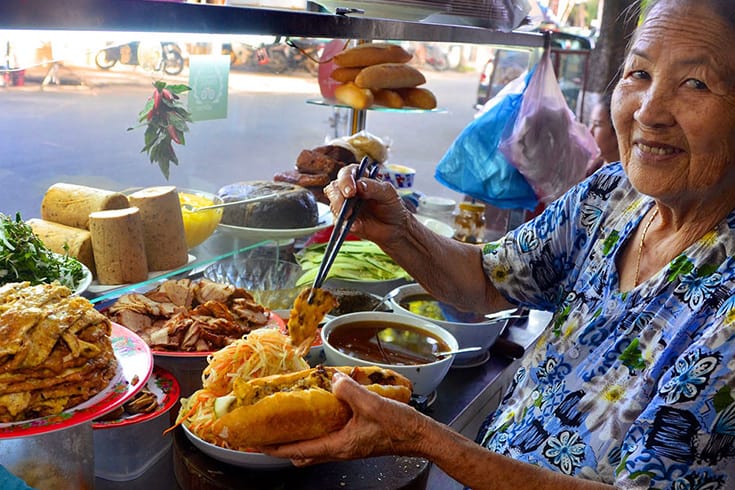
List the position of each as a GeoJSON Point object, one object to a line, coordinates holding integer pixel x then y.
{"type": "Point", "coordinates": [295, 406]}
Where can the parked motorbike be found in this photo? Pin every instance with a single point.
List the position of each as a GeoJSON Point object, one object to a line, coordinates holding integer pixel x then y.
{"type": "Point", "coordinates": [429, 54]}
{"type": "Point", "coordinates": [276, 56]}
{"type": "Point", "coordinates": [304, 54]}
{"type": "Point", "coordinates": [169, 59]}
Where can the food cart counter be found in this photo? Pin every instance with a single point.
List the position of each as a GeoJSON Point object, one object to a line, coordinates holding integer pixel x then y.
{"type": "Point", "coordinates": [462, 401]}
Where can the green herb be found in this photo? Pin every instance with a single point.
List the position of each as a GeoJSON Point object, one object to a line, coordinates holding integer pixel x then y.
{"type": "Point", "coordinates": [165, 119]}
{"type": "Point", "coordinates": [24, 257]}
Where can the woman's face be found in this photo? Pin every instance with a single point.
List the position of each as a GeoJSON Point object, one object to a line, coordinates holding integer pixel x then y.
{"type": "Point", "coordinates": [602, 130]}
{"type": "Point", "coordinates": [674, 107]}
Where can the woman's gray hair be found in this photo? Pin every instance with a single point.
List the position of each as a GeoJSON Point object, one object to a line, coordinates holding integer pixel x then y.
{"type": "Point", "coordinates": [724, 8]}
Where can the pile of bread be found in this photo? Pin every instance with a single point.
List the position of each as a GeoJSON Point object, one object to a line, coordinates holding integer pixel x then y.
{"type": "Point", "coordinates": [378, 73]}
{"type": "Point", "coordinates": [317, 167]}
{"type": "Point", "coordinates": [120, 238]}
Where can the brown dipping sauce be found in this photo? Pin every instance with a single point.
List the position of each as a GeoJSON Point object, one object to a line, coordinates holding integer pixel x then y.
{"type": "Point", "coordinates": [387, 343]}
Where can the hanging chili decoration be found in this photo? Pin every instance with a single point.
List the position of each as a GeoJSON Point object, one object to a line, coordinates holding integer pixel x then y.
{"type": "Point", "coordinates": [166, 121]}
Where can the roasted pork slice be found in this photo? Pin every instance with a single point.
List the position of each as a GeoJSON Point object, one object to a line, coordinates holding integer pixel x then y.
{"type": "Point", "coordinates": [206, 290]}
{"type": "Point", "coordinates": [143, 304]}
{"type": "Point", "coordinates": [179, 292]}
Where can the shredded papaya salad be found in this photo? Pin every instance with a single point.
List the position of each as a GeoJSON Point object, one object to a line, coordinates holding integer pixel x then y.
{"type": "Point", "coordinates": [263, 352]}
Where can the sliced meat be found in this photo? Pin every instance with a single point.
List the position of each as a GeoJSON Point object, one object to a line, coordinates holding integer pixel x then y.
{"type": "Point", "coordinates": [302, 179]}
{"type": "Point", "coordinates": [313, 162]}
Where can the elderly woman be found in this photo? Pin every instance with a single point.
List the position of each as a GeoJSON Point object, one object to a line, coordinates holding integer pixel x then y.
{"type": "Point", "coordinates": [632, 384]}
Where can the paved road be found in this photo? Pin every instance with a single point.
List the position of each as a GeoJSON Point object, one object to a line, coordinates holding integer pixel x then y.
{"type": "Point", "coordinates": [77, 133]}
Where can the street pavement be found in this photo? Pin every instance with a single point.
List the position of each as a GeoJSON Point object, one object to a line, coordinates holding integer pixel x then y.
{"type": "Point", "coordinates": [76, 131]}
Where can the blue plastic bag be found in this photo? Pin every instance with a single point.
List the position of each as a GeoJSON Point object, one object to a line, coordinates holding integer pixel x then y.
{"type": "Point", "coordinates": [473, 165]}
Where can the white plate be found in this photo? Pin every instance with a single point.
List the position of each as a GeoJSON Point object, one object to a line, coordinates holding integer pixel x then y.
{"type": "Point", "coordinates": [258, 234]}
{"type": "Point", "coordinates": [98, 288]}
{"type": "Point", "coordinates": [84, 283]}
{"type": "Point", "coordinates": [238, 458]}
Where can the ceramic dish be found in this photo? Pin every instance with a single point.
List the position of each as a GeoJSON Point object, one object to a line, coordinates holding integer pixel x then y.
{"type": "Point", "coordinates": [257, 234]}
{"type": "Point", "coordinates": [468, 333]}
{"type": "Point", "coordinates": [166, 389]}
{"type": "Point", "coordinates": [238, 458]}
{"type": "Point", "coordinates": [84, 284]}
{"type": "Point", "coordinates": [134, 367]}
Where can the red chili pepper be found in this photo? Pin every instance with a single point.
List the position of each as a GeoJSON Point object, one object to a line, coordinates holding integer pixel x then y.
{"type": "Point", "coordinates": [166, 94]}
{"type": "Point", "coordinates": [156, 100]}
{"type": "Point", "coordinates": [172, 133]}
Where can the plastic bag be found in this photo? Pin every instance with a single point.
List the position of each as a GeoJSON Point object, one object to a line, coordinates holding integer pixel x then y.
{"type": "Point", "coordinates": [547, 145]}
{"type": "Point", "coordinates": [473, 165]}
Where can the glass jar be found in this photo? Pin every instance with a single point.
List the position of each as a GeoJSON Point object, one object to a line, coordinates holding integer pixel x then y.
{"type": "Point", "coordinates": [440, 208]}
{"type": "Point", "coordinates": [469, 223]}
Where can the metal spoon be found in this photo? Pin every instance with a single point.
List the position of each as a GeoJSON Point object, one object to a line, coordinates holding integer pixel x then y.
{"type": "Point", "coordinates": [194, 209]}
{"type": "Point", "coordinates": [457, 351]}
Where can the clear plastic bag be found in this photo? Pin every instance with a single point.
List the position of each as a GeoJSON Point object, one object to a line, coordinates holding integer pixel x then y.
{"type": "Point", "coordinates": [473, 165]}
{"type": "Point", "coordinates": [548, 146]}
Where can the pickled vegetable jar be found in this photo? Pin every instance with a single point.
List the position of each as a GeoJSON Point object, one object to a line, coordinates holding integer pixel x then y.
{"type": "Point", "coordinates": [469, 223]}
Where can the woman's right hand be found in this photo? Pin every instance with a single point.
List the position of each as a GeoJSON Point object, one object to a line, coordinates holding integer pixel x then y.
{"type": "Point", "coordinates": [382, 215]}
{"type": "Point", "coordinates": [379, 426]}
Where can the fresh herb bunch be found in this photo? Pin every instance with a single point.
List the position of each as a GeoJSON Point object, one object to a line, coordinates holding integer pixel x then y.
{"type": "Point", "coordinates": [165, 118]}
{"type": "Point", "coordinates": [24, 257]}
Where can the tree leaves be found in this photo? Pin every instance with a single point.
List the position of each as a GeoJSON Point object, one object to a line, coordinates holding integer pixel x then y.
{"type": "Point", "coordinates": [166, 121]}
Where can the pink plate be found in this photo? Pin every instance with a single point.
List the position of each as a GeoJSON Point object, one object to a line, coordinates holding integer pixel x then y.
{"type": "Point", "coordinates": [274, 321]}
{"type": "Point", "coordinates": [134, 367]}
{"type": "Point", "coordinates": [162, 384]}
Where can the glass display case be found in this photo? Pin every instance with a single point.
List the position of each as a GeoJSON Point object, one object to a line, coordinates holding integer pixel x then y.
{"type": "Point", "coordinates": [76, 75]}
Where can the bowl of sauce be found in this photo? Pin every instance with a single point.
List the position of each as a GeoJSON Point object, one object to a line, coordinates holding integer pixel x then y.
{"type": "Point", "coordinates": [409, 346]}
{"type": "Point", "coordinates": [469, 328]}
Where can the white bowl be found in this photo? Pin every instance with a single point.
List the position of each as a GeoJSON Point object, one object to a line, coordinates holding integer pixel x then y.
{"type": "Point", "coordinates": [425, 377]}
{"type": "Point", "coordinates": [468, 334]}
{"type": "Point", "coordinates": [400, 176]}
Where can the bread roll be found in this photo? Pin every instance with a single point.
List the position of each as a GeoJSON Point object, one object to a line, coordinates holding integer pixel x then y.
{"type": "Point", "coordinates": [389, 75]}
{"type": "Point", "coordinates": [354, 96]}
{"type": "Point", "coordinates": [298, 406]}
{"type": "Point", "coordinates": [419, 97]}
{"type": "Point", "coordinates": [119, 250]}
{"type": "Point", "coordinates": [163, 227]}
{"type": "Point", "coordinates": [71, 204]}
{"type": "Point", "coordinates": [388, 98]}
{"type": "Point", "coordinates": [344, 74]}
{"type": "Point", "coordinates": [57, 236]}
{"type": "Point", "coordinates": [372, 54]}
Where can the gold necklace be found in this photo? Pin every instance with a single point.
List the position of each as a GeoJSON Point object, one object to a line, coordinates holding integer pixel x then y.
{"type": "Point", "coordinates": [640, 245]}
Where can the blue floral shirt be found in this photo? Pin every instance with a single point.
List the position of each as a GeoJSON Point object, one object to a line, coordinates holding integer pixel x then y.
{"type": "Point", "coordinates": [633, 388]}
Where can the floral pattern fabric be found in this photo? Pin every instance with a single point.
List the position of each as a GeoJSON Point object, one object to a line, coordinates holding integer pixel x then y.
{"type": "Point", "coordinates": [629, 388]}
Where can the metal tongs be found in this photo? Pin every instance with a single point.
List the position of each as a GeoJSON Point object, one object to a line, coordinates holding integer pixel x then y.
{"type": "Point", "coordinates": [347, 216]}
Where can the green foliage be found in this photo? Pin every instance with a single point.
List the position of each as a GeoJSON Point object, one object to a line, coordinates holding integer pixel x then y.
{"type": "Point", "coordinates": [24, 257]}
{"type": "Point", "coordinates": [166, 121]}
